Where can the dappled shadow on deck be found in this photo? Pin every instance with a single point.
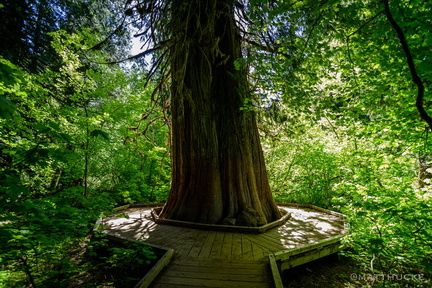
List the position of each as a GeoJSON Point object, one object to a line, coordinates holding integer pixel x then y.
{"type": "Point", "coordinates": [203, 250]}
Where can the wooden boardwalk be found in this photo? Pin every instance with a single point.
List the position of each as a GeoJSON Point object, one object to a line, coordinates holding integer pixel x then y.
{"type": "Point", "coordinates": [206, 258]}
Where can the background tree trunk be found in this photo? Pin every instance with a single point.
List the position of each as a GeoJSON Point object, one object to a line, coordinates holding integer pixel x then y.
{"type": "Point", "coordinates": [218, 168]}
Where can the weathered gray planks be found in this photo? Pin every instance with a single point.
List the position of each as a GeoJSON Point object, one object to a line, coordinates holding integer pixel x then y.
{"type": "Point", "coordinates": [206, 258]}
{"type": "Point", "coordinates": [191, 273]}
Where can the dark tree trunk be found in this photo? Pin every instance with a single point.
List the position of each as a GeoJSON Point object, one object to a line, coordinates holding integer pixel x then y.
{"type": "Point", "coordinates": [219, 173]}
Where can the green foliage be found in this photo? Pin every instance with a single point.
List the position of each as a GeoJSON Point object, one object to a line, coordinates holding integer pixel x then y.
{"type": "Point", "coordinates": [116, 264]}
{"type": "Point", "coordinates": [336, 112]}
{"type": "Point", "coordinates": [65, 157]}
{"type": "Point", "coordinates": [391, 235]}
{"type": "Point", "coordinates": [131, 257]}
{"type": "Point", "coordinates": [343, 131]}
{"type": "Point", "coordinates": [305, 168]}
{"type": "Point", "coordinates": [374, 181]}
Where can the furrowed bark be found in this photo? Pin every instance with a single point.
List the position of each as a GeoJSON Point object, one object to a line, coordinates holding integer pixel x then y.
{"type": "Point", "coordinates": [218, 166]}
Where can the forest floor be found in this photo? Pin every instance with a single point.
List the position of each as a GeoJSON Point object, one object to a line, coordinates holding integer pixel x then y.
{"type": "Point", "coordinates": [336, 271]}
{"type": "Point", "coordinates": [111, 268]}
{"type": "Point", "coordinates": [333, 271]}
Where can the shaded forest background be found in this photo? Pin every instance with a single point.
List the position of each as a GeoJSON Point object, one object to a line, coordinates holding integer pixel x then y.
{"type": "Point", "coordinates": [82, 131]}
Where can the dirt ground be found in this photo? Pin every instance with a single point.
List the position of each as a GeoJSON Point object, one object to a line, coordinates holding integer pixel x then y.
{"type": "Point", "coordinates": [335, 271]}
{"type": "Point", "coordinates": [332, 271]}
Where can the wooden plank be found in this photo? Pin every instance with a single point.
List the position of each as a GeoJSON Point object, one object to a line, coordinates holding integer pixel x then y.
{"type": "Point", "coordinates": [309, 256]}
{"type": "Point", "coordinates": [286, 216]}
{"type": "Point", "coordinates": [228, 259]}
{"type": "Point", "coordinates": [166, 285]}
{"type": "Point", "coordinates": [250, 264]}
{"type": "Point", "coordinates": [206, 247]}
{"type": "Point", "coordinates": [226, 251]}
{"type": "Point", "coordinates": [124, 207]}
{"type": "Point", "coordinates": [157, 234]}
{"type": "Point", "coordinates": [253, 276]}
{"type": "Point", "coordinates": [217, 245]}
{"type": "Point", "coordinates": [247, 249]}
{"type": "Point", "coordinates": [198, 242]}
{"type": "Point", "coordinates": [262, 243]}
{"type": "Point", "coordinates": [226, 228]}
{"type": "Point", "coordinates": [277, 280]}
{"type": "Point", "coordinates": [313, 207]}
{"type": "Point", "coordinates": [274, 236]}
{"type": "Point", "coordinates": [148, 205]}
{"type": "Point", "coordinates": [269, 247]}
{"type": "Point", "coordinates": [282, 255]}
{"type": "Point", "coordinates": [227, 269]}
{"type": "Point", "coordinates": [155, 270]}
{"type": "Point", "coordinates": [259, 253]}
{"type": "Point", "coordinates": [124, 240]}
{"type": "Point", "coordinates": [236, 252]}
{"type": "Point", "coordinates": [284, 240]}
{"type": "Point", "coordinates": [186, 242]}
{"type": "Point", "coordinates": [212, 283]}
{"type": "Point", "coordinates": [170, 237]}
{"type": "Point", "coordinates": [146, 230]}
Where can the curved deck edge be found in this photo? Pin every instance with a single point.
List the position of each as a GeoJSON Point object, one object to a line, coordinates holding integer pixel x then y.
{"type": "Point", "coordinates": [232, 228]}
{"type": "Point", "coordinates": [278, 261]}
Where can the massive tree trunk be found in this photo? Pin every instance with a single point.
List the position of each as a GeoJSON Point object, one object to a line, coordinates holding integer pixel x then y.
{"type": "Point", "coordinates": [218, 169]}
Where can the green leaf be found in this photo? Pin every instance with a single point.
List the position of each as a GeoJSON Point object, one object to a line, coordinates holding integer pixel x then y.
{"type": "Point", "coordinates": [54, 125]}
{"type": "Point", "coordinates": [376, 241]}
{"type": "Point", "coordinates": [63, 136]}
{"type": "Point", "coordinates": [427, 265]}
{"type": "Point", "coordinates": [6, 108]}
{"type": "Point", "coordinates": [95, 133]}
{"type": "Point", "coordinates": [239, 63]}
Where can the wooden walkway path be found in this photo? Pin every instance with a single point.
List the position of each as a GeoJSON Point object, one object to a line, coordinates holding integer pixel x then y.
{"type": "Point", "coordinates": [205, 258]}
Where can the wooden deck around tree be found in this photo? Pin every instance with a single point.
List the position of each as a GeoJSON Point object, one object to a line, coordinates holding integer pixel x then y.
{"type": "Point", "coordinates": [206, 258]}
{"type": "Point", "coordinates": [192, 273]}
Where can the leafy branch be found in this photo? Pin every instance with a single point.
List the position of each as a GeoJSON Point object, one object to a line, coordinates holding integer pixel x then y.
{"type": "Point", "coordinates": [410, 61]}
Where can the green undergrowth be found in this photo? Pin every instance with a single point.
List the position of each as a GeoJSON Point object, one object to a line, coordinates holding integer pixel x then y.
{"type": "Point", "coordinates": [375, 185]}
{"type": "Point", "coordinates": [96, 263]}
